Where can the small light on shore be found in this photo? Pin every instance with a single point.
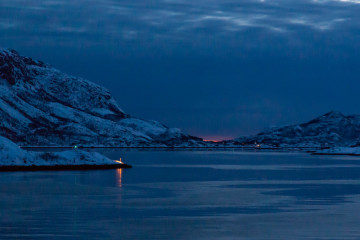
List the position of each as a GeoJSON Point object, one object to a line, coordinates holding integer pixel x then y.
{"type": "Point", "coordinates": [119, 161]}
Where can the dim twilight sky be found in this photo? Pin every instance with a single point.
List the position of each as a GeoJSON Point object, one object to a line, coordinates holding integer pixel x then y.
{"type": "Point", "coordinates": [217, 69]}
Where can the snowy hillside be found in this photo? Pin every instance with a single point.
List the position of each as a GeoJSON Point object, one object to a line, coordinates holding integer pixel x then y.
{"type": "Point", "coordinates": [13, 155]}
{"type": "Point", "coordinates": [331, 129]}
{"type": "Point", "coordinates": [41, 106]}
{"type": "Point", "coordinates": [339, 151]}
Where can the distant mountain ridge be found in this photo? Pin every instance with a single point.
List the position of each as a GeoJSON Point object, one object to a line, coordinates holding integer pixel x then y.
{"type": "Point", "coordinates": [40, 105]}
{"type": "Point", "coordinates": [330, 129]}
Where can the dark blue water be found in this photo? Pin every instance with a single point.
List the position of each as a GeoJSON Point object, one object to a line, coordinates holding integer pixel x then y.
{"type": "Point", "coordinates": [188, 195]}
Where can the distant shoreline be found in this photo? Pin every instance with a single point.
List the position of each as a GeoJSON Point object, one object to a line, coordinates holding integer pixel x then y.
{"type": "Point", "coordinates": [336, 154]}
{"type": "Point", "coordinates": [62, 167]}
{"type": "Point", "coordinates": [148, 147]}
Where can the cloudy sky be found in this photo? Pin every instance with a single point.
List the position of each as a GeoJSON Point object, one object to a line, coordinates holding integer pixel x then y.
{"type": "Point", "coordinates": [214, 68]}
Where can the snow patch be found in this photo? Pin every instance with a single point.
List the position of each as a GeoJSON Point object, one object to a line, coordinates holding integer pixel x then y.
{"type": "Point", "coordinates": [340, 150]}
{"type": "Point", "coordinates": [13, 155]}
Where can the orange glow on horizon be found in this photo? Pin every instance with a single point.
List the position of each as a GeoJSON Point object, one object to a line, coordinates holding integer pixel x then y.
{"type": "Point", "coordinates": [210, 140]}
{"type": "Point", "coordinates": [217, 139]}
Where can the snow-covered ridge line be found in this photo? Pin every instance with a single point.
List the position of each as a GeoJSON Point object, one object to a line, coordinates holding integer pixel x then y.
{"type": "Point", "coordinates": [41, 106]}
{"type": "Point", "coordinates": [329, 130]}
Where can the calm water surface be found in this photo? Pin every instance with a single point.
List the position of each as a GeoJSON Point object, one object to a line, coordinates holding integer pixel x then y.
{"type": "Point", "coordinates": [188, 195]}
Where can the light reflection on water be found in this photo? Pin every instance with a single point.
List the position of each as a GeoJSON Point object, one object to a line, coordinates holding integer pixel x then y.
{"type": "Point", "coordinates": [119, 176]}
{"type": "Point", "coordinates": [188, 195]}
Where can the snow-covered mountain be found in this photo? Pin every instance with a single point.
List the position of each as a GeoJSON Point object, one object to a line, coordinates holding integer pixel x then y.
{"type": "Point", "coordinates": [331, 129]}
{"type": "Point", "coordinates": [41, 106]}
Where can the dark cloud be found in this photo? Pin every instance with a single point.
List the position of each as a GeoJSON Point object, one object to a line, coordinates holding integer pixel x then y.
{"type": "Point", "coordinates": [213, 68]}
{"type": "Point", "coordinates": [129, 20]}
